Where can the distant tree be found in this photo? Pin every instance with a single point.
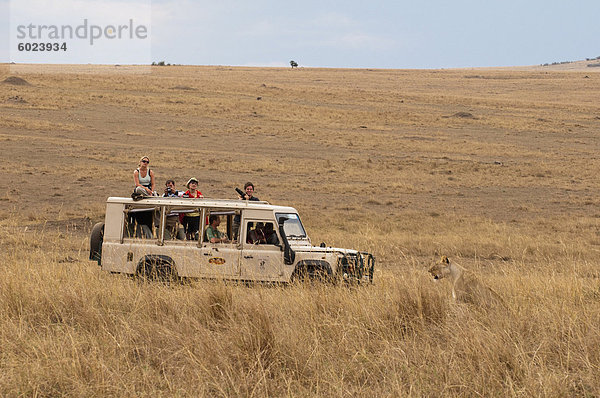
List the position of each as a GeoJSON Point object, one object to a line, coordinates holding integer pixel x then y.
{"type": "Point", "coordinates": [293, 64]}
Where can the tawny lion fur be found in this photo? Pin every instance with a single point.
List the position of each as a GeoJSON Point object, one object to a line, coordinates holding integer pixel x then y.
{"type": "Point", "coordinates": [465, 286]}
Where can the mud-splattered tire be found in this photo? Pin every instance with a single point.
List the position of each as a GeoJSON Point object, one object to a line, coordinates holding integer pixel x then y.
{"type": "Point", "coordinates": [157, 269]}
{"type": "Point", "coordinates": [309, 272]}
{"type": "Point", "coordinates": [96, 239]}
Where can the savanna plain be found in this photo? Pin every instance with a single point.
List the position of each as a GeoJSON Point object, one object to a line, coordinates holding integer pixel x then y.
{"type": "Point", "coordinates": [495, 168]}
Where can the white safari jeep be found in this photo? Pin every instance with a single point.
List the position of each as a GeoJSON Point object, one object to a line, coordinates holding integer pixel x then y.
{"type": "Point", "coordinates": [261, 242]}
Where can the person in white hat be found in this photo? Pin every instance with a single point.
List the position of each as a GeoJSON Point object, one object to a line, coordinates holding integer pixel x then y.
{"type": "Point", "coordinates": [191, 221]}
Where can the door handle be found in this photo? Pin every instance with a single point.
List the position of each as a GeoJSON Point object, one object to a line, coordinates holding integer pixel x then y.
{"type": "Point", "coordinates": [206, 254]}
{"type": "Point", "coordinates": [248, 256]}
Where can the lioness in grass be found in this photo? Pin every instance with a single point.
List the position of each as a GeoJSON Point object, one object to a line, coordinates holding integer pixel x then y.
{"type": "Point", "coordinates": [465, 286]}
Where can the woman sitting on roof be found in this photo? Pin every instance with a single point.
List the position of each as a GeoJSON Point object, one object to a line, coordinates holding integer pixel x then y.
{"type": "Point", "coordinates": [143, 178]}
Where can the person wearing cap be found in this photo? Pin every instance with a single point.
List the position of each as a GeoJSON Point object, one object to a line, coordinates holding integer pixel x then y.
{"type": "Point", "coordinates": [143, 178]}
{"type": "Point", "coordinates": [191, 221]}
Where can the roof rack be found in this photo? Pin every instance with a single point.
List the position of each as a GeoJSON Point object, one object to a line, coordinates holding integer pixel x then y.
{"type": "Point", "coordinates": [191, 202]}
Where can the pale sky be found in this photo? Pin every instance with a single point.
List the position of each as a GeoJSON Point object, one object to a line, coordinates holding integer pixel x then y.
{"type": "Point", "coordinates": [350, 33]}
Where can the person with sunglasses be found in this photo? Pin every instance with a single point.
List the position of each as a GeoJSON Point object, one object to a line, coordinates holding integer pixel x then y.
{"type": "Point", "coordinates": [143, 178]}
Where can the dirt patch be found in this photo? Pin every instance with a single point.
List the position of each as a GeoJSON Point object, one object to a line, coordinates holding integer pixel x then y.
{"type": "Point", "coordinates": [184, 88]}
{"type": "Point", "coordinates": [462, 115]}
{"type": "Point", "coordinates": [269, 87]}
{"type": "Point", "coordinates": [227, 128]}
{"type": "Point", "coordinates": [16, 81]}
{"type": "Point", "coordinates": [74, 225]}
{"type": "Point", "coordinates": [17, 99]}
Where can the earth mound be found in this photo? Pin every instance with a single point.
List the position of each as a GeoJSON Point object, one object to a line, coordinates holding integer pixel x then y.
{"type": "Point", "coordinates": [461, 115]}
{"type": "Point", "coordinates": [16, 81]}
{"type": "Point", "coordinates": [464, 115]}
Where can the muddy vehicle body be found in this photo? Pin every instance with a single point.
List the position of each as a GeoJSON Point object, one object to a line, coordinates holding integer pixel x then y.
{"type": "Point", "coordinates": [266, 242]}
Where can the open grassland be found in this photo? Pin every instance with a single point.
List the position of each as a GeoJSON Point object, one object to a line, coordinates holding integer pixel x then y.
{"type": "Point", "coordinates": [498, 169]}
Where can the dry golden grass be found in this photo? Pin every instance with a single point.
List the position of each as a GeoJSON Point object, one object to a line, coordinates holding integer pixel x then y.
{"type": "Point", "coordinates": [495, 168]}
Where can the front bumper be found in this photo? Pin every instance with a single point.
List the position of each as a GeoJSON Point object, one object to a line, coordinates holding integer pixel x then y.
{"type": "Point", "coordinates": [357, 267]}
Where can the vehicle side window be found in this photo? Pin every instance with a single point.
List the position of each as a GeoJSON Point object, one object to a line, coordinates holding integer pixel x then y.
{"type": "Point", "coordinates": [261, 233]}
{"type": "Point", "coordinates": [221, 225]}
{"type": "Point", "coordinates": [191, 222]}
{"type": "Point", "coordinates": [140, 223]}
{"type": "Point", "coordinates": [174, 229]}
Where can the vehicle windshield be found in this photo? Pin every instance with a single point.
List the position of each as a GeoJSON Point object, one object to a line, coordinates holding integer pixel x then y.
{"type": "Point", "coordinates": [293, 226]}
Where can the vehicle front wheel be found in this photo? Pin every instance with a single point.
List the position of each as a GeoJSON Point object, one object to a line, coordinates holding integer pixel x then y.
{"type": "Point", "coordinates": [311, 274]}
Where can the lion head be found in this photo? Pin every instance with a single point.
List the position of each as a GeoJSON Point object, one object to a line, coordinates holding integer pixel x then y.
{"type": "Point", "coordinates": [441, 269]}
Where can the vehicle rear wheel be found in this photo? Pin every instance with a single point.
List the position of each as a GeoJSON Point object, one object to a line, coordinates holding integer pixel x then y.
{"type": "Point", "coordinates": [157, 270]}
{"type": "Point", "coordinates": [96, 239]}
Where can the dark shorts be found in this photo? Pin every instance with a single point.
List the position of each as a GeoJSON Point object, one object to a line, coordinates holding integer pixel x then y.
{"type": "Point", "coordinates": [191, 224]}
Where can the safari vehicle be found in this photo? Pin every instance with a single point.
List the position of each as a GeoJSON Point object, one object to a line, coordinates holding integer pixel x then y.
{"type": "Point", "coordinates": [265, 243]}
